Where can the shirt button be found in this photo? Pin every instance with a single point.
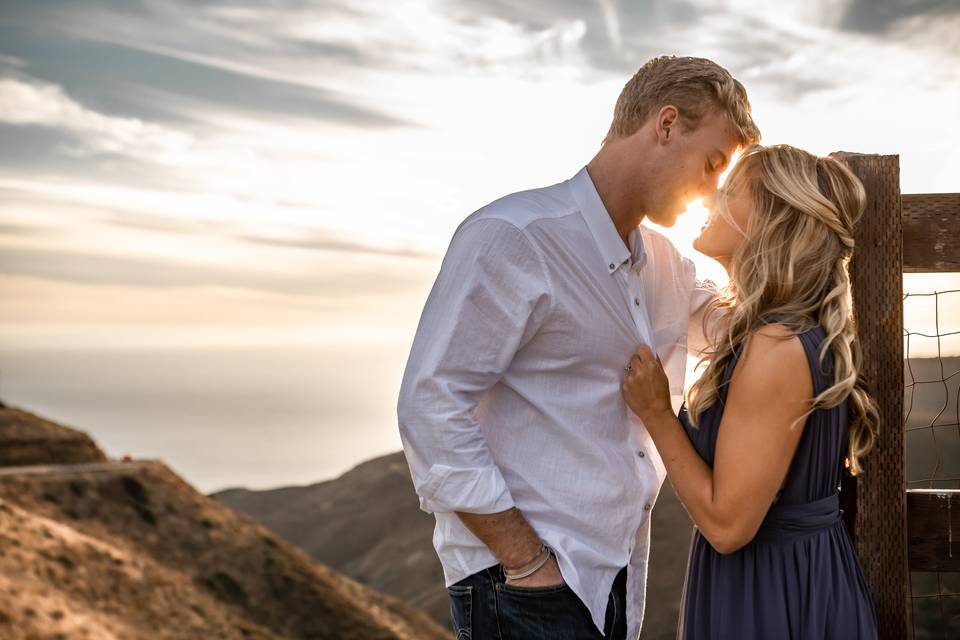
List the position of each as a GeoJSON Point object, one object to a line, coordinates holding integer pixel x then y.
{"type": "Point", "coordinates": [612, 265]}
{"type": "Point", "coordinates": [636, 301]}
{"type": "Point", "coordinates": [647, 507]}
{"type": "Point", "coordinates": [641, 454]}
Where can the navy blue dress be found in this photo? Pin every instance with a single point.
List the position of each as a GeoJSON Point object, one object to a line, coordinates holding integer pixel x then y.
{"type": "Point", "coordinates": [799, 578]}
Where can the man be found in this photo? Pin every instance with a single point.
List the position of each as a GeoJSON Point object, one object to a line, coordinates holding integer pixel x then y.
{"type": "Point", "coordinates": [510, 411]}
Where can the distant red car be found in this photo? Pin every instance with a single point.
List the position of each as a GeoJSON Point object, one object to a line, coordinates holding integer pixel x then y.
{"type": "Point", "coordinates": [126, 458]}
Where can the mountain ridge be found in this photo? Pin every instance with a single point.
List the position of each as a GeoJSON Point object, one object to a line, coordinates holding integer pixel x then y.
{"type": "Point", "coordinates": [130, 550]}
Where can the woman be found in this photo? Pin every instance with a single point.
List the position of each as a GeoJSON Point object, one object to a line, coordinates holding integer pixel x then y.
{"type": "Point", "coordinates": [756, 452]}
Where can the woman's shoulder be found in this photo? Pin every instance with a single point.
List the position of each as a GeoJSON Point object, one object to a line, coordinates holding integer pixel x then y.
{"type": "Point", "coordinates": [807, 336]}
{"type": "Point", "coordinates": [771, 364]}
{"type": "Point", "coordinates": [777, 338]}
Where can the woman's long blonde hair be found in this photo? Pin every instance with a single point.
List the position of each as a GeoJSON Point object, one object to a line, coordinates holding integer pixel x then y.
{"type": "Point", "coordinates": [794, 262]}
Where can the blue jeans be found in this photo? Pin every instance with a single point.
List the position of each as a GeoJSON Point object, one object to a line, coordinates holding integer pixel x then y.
{"type": "Point", "coordinates": [483, 607]}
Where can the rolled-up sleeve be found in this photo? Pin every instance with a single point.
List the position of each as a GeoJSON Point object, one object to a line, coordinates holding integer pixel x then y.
{"type": "Point", "coordinates": [489, 299]}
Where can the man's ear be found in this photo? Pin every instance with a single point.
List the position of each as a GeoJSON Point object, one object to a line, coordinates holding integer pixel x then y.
{"type": "Point", "coordinates": [667, 123]}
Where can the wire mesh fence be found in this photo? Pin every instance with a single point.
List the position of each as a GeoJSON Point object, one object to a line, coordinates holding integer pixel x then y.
{"type": "Point", "coordinates": [932, 433]}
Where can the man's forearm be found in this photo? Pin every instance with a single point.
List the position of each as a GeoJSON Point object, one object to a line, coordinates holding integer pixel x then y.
{"type": "Point", "coordinates": [507, 534]}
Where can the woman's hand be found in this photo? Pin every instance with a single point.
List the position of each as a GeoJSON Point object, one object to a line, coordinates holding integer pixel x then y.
{"type": "Point", "coordinates": [646, 388]}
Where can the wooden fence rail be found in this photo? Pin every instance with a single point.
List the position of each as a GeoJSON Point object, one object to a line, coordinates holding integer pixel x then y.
{"type": "Point", "coordinates": [933, 521]}
{"type": "Point", "coordinates": [931, 232]}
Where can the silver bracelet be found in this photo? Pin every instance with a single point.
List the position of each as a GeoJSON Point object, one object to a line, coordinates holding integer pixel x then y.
{"type": "Point", "coordinates": [532, 570]}
{"type": "Point", "coordinates": [536, 555]}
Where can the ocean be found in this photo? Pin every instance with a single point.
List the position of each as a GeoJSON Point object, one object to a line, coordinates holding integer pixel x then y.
{"type": "Point", "coordinates": [257, 417]}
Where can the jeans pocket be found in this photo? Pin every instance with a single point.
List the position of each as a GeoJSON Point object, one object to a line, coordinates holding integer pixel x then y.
{"type": "Point", "coordinates": [543, 613]}
{"type": "Point", "coordinates": [461, 610]}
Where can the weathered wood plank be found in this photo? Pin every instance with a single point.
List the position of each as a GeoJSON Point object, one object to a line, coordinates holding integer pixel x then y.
{"type": "Point", "coordinates": [931, 232]}
{"type": "Point", "coordinates": [932, 523]}
{"type": "Point", "coordinates": [877, 274]}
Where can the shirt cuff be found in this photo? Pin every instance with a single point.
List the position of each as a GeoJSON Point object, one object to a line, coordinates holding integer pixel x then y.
{"type": "Point", "coordinates": [475, 490]}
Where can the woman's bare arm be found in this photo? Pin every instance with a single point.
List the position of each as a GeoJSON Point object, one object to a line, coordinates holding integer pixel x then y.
{"type": "Point", "coordinates": [770, 389]}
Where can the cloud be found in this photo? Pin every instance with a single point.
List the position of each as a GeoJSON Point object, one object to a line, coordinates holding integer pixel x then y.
{"type": "Point", "coordinates": [8, 63]}
{"type": "Point", "coordinates": [321, 241]}
{"type": "Point", "coordinates": [882, 16]}
{"type": "Point", "coordinates": [329, 279]}
{"type": "Point", "coordinates": [32, 102]}
{"type": "Point", "coordinates": [37, 152]}
{"type": "Point", "coordinates": [321, 46]}
{"type": "Point", "coordinates": [617, 36]}
{"type": "Point", "coordinates": [291, 120]}
{"type": "Point", "coordinates": [21, 230]}
{"type": "Point", "coordinates": [30, 147]}
{"type": "Point", "coordinates": [49, 133]}
{"type": "Point", "coordinates": [297, 238]}
{"type": "Point", "coordinates": [126, 77]}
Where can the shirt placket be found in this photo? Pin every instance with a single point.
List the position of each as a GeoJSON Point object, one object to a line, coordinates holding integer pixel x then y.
{"type": "Point", "coordinates": [629, 275]}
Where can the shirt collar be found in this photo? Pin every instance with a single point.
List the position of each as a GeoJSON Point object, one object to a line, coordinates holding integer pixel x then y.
{"type": "Point", "coordinates": [604, 232]}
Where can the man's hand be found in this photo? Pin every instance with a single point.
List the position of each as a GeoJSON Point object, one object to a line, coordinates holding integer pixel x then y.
{"type": "Point", "coordinates": [547, 576]}
{"type": "Point", "coordinates": [512, 541]}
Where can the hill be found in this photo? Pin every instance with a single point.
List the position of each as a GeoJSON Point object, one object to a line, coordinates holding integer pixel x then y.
{"type": "Point", "coordinates": [29, 439]}
{"type": "Point", "coordinates": [130, 550]}
{"type": "Point", "coordinates": [366, 524]}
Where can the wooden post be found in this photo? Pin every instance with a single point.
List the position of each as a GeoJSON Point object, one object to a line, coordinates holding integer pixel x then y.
{"type": "Point", "coordinates": [877, 277]}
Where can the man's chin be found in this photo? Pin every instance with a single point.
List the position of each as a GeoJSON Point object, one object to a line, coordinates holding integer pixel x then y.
{"type": "Point", "coordinates": [664, 219]}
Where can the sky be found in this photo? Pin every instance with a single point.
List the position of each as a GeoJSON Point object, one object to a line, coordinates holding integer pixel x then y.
{"type": "Point", "coordinates": [198, 178]}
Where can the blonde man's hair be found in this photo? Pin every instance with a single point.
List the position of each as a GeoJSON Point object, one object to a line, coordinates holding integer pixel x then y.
{"type": "Point", "coordinates": [695, 86]}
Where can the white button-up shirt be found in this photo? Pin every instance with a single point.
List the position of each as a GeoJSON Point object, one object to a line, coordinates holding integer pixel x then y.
{"type": "Point", "coordinates": [512, 392]}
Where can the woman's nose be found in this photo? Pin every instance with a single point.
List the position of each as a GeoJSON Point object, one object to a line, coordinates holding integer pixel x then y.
{"type": "Point", "coordinates": [709, 198]}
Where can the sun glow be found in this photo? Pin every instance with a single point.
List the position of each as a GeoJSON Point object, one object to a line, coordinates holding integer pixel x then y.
{"type": "Point", "coordinates": [687, 228]}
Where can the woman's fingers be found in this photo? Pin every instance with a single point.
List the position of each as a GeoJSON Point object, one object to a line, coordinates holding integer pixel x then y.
{"type": "Point", "coordinates": [641, 355]}
{"type": "Point", "coordinates": [644, 351]}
